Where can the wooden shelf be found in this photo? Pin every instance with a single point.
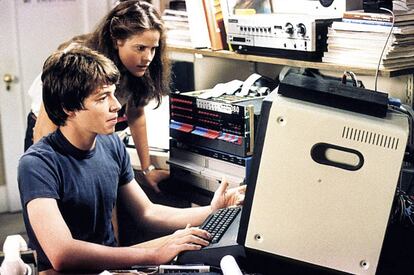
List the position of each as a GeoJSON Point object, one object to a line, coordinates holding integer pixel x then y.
{"type": "Point", "coordinates": [290, 62]}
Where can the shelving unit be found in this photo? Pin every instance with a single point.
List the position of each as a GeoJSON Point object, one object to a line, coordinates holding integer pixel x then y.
{"type": "Point", "coordinates": [290, 62]}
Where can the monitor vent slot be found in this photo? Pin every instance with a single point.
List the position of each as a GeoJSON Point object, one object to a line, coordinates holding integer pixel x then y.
{"type": "Point", "coordinates": [369, 137]}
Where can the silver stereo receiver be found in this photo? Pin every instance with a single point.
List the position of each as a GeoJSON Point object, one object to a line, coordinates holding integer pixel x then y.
{"type": "Point", "coordinates": [320, 8]}
{"type": "Point", "coordinates": [281, 35]}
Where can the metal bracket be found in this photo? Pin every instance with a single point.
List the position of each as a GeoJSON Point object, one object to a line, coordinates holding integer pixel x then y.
{"type": "Point", "coordinates": [253, 67]}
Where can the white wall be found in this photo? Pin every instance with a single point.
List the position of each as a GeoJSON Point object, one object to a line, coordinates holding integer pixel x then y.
{"type": "Point", "coordinates": [42, 27]}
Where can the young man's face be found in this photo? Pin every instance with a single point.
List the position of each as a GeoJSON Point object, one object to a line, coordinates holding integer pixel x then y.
{"type": "Point", "coordinates": [137, 52]}
{"type": "Point", "coordinates": [100, 113]}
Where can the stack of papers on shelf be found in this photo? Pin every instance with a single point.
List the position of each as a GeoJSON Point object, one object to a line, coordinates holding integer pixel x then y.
{"type": "Point", "coordinates": [402, 17]}
{"type": "Point", "coordinates": [178, 29]}
{"type": "Point", "coordinates": [361, 37]}
{"type": "Point", "coordinates": [402, 4]}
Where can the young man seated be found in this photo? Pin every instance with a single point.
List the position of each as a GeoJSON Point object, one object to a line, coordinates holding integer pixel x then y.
{"type": "Point", "coordinates": [70, 180]}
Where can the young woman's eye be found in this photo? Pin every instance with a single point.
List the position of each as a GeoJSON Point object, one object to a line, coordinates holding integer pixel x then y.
{"type": "Point", "coordinates": [140, 48]}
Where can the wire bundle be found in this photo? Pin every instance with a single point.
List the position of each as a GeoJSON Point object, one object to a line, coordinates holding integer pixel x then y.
{"type": "Point", "coordinates": [403, 209]}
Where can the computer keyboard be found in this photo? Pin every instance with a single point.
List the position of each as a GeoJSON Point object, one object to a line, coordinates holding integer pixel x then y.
{"type": "Point", "coordinates": [218, 223]}
{"type": "Point", "coordinates": [223, 225]}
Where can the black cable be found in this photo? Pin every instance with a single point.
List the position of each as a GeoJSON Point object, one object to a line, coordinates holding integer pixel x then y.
{"type": "Point", "coordinates": [403, 206]}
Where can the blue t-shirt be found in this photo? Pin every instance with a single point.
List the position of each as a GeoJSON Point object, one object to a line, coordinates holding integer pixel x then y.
{"type": "Point", "coordinates": [84, 184]}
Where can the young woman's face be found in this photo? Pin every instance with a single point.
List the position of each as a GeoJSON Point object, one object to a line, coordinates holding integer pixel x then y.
{"type": "Point", "coordinates": [137, 51]}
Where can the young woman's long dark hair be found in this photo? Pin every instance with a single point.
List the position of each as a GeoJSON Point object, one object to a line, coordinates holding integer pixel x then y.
{"type": "Point", "coordinates": [126, 19]}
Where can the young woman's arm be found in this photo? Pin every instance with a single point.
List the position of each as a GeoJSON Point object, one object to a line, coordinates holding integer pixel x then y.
{"type": "Point", "coordinates": [138, 126]}
{"type": "Point", "coordinates": [43, 126]}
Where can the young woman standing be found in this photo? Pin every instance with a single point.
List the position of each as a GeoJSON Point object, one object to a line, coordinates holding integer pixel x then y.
{"type": "Point", "coordinates": [132, 35]}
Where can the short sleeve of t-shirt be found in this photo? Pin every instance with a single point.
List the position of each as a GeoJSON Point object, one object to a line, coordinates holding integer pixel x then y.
{"type": "Point", "coordinates": [40, 182]}
{"type": "Point", "coordinates": [126, 172]}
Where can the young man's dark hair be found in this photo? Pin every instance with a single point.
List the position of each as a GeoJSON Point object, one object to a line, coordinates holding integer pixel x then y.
{"type": "Point", "coordinates": [84, 69]}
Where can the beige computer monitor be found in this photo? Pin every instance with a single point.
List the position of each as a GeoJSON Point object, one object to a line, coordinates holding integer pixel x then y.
{"type": "Point", "coordinates": [325, 184]}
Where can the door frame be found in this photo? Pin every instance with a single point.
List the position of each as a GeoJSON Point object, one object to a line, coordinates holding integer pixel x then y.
{"type": "Point", "coordinates": [11, 102]}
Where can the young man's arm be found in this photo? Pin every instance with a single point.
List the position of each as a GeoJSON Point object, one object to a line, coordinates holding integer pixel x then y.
{"type": "Point", "coordinates": [43, 126]}
{"type": "Point", "coordinates": [66, 253]}
{"type": "Point", "coordinates": [138, 126]}
{"type": "Point", "coordinates": [163, 218]}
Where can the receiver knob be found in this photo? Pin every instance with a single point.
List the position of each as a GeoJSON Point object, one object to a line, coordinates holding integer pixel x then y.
{"type": "Point", "coordinates": [289, 28]}
{"type": "Point", "coordinates": [301, 29]}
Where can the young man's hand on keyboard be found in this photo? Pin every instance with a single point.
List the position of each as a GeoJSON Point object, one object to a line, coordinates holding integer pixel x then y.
{"type": "Point", "coordinates": [189, 238]}
{"type": "Point", "coordinates": [224, 197]}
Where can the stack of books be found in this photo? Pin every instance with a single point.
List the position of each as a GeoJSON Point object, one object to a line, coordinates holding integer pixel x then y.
{"type": "Point", "coordinates": [359, 39]}
{"type": "Point", "coordinates": [178, 28]}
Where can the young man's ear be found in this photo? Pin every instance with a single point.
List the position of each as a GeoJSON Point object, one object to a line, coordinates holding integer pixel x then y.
{"type": "Point", "coordinates": [71, 114]}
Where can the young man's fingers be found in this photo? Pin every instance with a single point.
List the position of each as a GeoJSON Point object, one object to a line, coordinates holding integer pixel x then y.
{"type": "Point", "coordinates": [223, 185]}
{"type": "Point", "coordinates": [189, 246]}
{"type": "Point", "coordinates": [200, 233]}
{"type": "Point", "coordinates": [192, 239]}
{"type": "Point", "coordinates": [242, 188]}
{"type": "Point", "coordinates": [240, 200]}
{"type": "Point", "coordinates": [238, 190]}
{"type": "Point", "coordinates": [197, 240]}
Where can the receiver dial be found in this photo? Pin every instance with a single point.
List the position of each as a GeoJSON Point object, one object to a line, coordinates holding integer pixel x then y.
{"type": "Point", "coordinates": [301, 29]}
{"type": "Point", "coordinates": [289, 28]}
{"type": "Point", "coordinates": [326, 3]}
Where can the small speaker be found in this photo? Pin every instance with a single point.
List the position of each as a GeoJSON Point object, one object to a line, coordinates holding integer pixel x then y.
{"type": "Point", "coordinates": [318, 8]}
